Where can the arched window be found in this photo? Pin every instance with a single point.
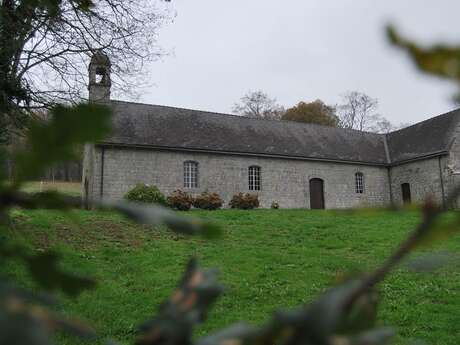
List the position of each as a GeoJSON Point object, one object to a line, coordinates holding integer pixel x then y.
{"type": "Point", "coordinates": [254, 178]}
{"type": "Point", "coordinates": [359, 183]}
{"type": "Point", "coordinates": [190, 174]}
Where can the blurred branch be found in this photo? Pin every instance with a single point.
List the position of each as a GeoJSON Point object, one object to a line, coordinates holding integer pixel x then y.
{"type": "Point", "coordinates": [187, 307]}
{"type": "Point", "coordinates": [425, 231]}
{"type": "Point", "coordinates": [441, 60]}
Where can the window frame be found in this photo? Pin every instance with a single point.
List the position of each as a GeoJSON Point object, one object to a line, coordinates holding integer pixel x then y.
{"type": "Point", "coordinates": [191, 174]}
{"type": "Point", "coordinates": [254, 178]}
{"type": "Point", "coordinates": [360, 186]}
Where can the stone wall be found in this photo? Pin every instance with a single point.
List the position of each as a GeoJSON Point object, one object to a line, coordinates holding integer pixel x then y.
{"type": "Point", "coordinates": [283, 180]}
{"type": "Point", "coordinates": [424, 178]}
{"type": "Point", "coordinates": [453, 166]}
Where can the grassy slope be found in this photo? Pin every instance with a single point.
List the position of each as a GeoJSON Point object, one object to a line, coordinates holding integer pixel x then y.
{"type": "Point", "coordinates": [269, 259]}
{"type": "Point", "coordinates": [69, 188]}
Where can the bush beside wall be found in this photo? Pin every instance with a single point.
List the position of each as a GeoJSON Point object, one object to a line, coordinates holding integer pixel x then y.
{"type": "Point", "coordinates": [208, 201]}
{"type": "Point", "coordinates": [180, 200]}
{"type": "Point", "coordinates": [244, 201]}
{"type": "Point", "coordinates": [146, 194]}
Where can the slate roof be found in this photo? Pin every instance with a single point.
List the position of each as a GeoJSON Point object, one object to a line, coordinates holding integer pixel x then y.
{"type": "Point", "coordinates": [425, 138]}
{"type": "Point", "coordinates": [164, 127]}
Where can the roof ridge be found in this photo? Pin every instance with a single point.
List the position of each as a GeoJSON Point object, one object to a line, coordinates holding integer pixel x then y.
{"type": "Point", "coordinates": [427, 120]}
{"type": "Point", "coordinates": [387, 149]}
{"type": "Point", "coordinates": [246, 118]}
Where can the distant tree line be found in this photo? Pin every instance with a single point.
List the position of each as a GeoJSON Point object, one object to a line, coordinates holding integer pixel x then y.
{"type": "Point", "coordinates": [356, 111]}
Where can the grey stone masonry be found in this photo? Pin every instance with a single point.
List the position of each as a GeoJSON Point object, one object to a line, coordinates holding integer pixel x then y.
{"type": "Point", "coordinates": [427, 178]}
{"type": "Point", "coordinates": [285, 181]}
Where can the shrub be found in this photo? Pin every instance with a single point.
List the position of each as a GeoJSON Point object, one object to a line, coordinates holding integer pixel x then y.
{"type": "Point", "coordinates": [244, 201]}
{"type": "Point", "coordinates": [180, 200]}
{"type": "Point", "coordinates": [147, 194]}
{"type": "Point", "coordinates": [275, 205]}
{"type": "Point", "coordinates": [208, 201]}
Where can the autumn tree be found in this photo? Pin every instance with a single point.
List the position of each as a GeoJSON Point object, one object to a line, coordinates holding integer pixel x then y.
{"type": "Point", "coordinates": [46, 45]}
{"type": "Point", "coordinates": [313, 112]}
{"type": "Point", "coordinates": [259, 105]}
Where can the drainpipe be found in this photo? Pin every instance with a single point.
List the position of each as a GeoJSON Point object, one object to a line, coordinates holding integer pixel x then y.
{"type": "Point", "coordinates": [390, 185]}
{"type": "Point", "coordinates": [442, 184]}
{"type": "Point", "coordinates": [102, 173]}
{"type": "Point", "coordinates": [388, 158]}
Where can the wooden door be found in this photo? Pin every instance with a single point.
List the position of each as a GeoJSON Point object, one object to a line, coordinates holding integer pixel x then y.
{"type": "Point", "coordinates": [316, 194]}
{"type": "Point", "coordinates": [405, 188]}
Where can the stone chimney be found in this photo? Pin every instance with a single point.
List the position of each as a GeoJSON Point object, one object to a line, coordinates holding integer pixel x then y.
{"type": "Point", "coordinates": [99, 78]}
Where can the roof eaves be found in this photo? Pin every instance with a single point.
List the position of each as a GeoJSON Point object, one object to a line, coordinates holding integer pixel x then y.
{"type": "Point", "coordinates": [237, 153]}
{"type": "Point", "coordinates": [418, 158]}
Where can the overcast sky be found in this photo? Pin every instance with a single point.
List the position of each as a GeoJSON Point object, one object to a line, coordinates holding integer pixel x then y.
{"type": "Point", "coordinates": [301, 50]}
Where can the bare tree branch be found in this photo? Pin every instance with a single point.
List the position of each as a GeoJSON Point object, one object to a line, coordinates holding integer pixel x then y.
{"type": "Point", "coordinates": [46, 45]}
{"type": "Point", "coordinates": [258, 104]}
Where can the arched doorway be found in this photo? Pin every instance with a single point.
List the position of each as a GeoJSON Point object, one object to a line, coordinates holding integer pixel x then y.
{"type": "Point", "coordinates": [405, 189]}
{"type": "Point", "coordinates": [316, 193]}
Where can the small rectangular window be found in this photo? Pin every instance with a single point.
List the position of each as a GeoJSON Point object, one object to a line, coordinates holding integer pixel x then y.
{"type": "Point", "coordinates": [254, 178]}
{"type": "Point", "coordinates": [191, 174]}
{"type": "Point", "coordinates": [359, 183]}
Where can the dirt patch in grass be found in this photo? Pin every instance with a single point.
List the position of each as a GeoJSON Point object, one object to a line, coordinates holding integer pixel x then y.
{"type": "Point", "coordinates": [84, 233]}
{"type": "Point", "coordinates": [87, 235]}
{"type": "Point", "coordinates": [100, 233]}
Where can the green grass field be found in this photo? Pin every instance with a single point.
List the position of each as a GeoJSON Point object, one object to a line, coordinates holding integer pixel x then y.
{"type": "Point", "coordinates": [268, 259]}
{"type": "Point", "coordinates": [68, 188]}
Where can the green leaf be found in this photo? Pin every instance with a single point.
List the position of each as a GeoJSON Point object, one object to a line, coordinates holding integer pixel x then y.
{"type": "Point", "coordinates": [45, 270]}
{"type": "Point", "coordinates": [3, 165]}
{"type": "Point", "coordinates": [54, 141]}
{"type": "Point", "coordinates": [42, 200]}
{"type": "Point", "coordinates": [441, 60]}
{"type": "Point", "coordinates": [157, 215]}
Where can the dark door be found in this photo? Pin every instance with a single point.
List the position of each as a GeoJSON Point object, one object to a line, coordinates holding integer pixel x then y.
{"type": "Point", "coordinates": [405, 187]}
{"type": "Point", "coordinates": [316, 194]}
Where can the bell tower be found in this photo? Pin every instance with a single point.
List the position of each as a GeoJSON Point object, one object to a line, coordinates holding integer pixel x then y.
{"type": "Point", "coordinates": [99, 78]}
{"type": "Point", "coordinates": [99, 92]}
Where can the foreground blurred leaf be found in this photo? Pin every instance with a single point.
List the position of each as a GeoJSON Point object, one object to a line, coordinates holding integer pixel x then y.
{"type": "Point", "coordinates": [157, 215]}
{"type": "Point", "coordinates": [441, 60]}
{"type": "Point", "coordinates": [49, 142]}
{"type": "Point", "coordinates": [42, 200]}
{"type": "Point", "coordinates": [433, 261]}
{"type": "Point", "coordinates": [45, 270]}
{"type": "Point", "coordinates": [237, 334]}
{"type": "Point", "coordinates": [320, 322]}
{"type": "Point", "coordinates": [380, 336]}
{"type": "Point", "coordinates": [321, 319]}
{"type": "Point", "coordinates": [21, 329]}
{"type": "Point", "coordinates": [24, 323]}
{"type": "Point", "coordinates": [440, 230]}
{"type": "Point", "coordinates": [187, 307]}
